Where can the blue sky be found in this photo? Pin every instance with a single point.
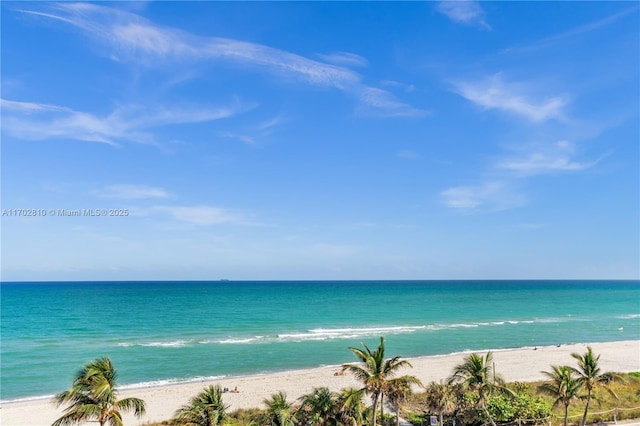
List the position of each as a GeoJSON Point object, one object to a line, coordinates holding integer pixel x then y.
{"type": "Point", "coordinates": [258, 140]}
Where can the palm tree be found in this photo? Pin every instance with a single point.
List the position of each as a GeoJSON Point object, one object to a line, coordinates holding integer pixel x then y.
{"type": "Point", "coordinates": [589, 377]}
{"type": "Point", "coordinates": [320, 405]}
{"type": "Point", "coordinates": [397, 390]}
{"type": "Point", "coordinates": [350, 407]}
{"type": "Point", "coordinates": [564, 387]}
{"type": "Point", "coordinates": [374, 371]}
{"type": "Point", "coordinates": [476, 374]}
{"type": "Point", "coordinates": [440, 399]}
{"type": "Point", "coordinates": [204, 409]}
{"type": "Point", "coordinates": [93, 395]}
{"type": "Point", "coordinates": [279, 410]}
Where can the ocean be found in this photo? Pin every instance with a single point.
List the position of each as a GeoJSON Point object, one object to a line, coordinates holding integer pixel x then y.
{"type": "Point", "coordinates": [168, 332]}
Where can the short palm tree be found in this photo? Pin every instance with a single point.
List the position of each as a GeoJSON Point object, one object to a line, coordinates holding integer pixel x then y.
{"type": "Point", "coordinates": [398, 390]}
{"type": "Point", "coordinates": [476, 374]}
{"type": "Point", "coordinates": [350, 407]}
{"type": "Point", "coordinates": [440, 399]}
{"type": "Point", "coordinates": [93, 395]}
{"type": "Point", "coordinates": [564, 387]}
{"type": "Point", "coordinates": [204, 409]}
{"type": "Point", "coordinates": [320, 406]}
{"type": "Point", "coordinates": [374, 371]}
{"type": "Point", "coordinates": [279, 410]}
{"type": "Point", "coordinates": [590, 377]}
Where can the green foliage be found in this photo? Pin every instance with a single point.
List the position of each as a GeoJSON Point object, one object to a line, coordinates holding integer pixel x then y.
{"type": "Point", "coordinates": [374, 371]}
{"type": "Point", "coordinates": [415, 419]}
{"type": "Point", "coordinates": [93, 395]}
{"type": "Point", "coordinates": [521, 405]}
{"type": "Point", "coordinates": [204, 409]}
{"type": "Point", "coordinates": [320, 407]}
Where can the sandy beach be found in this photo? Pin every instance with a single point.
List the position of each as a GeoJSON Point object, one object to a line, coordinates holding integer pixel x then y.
{"type": "Point", "coordinates": [162, 402]}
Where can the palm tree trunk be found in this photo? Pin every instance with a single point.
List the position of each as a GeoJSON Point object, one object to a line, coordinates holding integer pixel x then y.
{"type": "Point", "coordinates": [484, 408]}
{"type": "Point", "coordinates": [398, 415]}
{"type": "Point", "coordinates": [375, 410]}
{"type": "Point", "coordinates": [441, 423]}
{"type": "Point", "coordinates": [566, 414]}
{"type": "Point", "coordinates": [382, 406]}
{"type": "Point", "coordinates": [586, 408]}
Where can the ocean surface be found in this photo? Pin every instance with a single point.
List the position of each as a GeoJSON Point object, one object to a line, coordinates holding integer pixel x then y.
{"type": "Point", "coordinates": [165, 332]}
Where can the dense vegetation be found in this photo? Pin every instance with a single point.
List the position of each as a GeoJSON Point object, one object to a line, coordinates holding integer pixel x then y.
{"type": "Point", "coordinates": [474, 395]}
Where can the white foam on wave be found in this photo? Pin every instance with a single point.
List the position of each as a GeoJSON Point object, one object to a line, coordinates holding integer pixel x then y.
{"type": "Point", "coordinates": [173, 381]}
{"type": "Point", "coordinates": [629, 316]}
{"type": "Point", "coordinates": [324, 333]}
{"type": "Point", "coordinates": [169, 344]}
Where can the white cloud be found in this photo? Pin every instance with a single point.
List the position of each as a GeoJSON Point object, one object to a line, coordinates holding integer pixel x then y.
{"type": "Point", "coordinates": [200, 215]}
{"type": "Point", "coordinates": [557, 157]}
{"type": "Point", "coordinates": [133, 38]}
{"type": "Point", "coordinates": [380, 102]}
{"type": "Point", "coordinates": [488, 196]}
{"type": "Point", "coordinates": [466, 12]}
{"type": "Point", "coordinates": [346, 59]}
{"type": "Point", "coordinates": [396, 84]}
{"type": "Point", "coordinates": [269, 124]}
{"type": "Point", "coordinates": [592, 26]}
{"type": "Point", "coordinates": [34, 121]}
{"type": "Point", "coordinates": [131, 192]}
{"type": "Point", "coordinates": [249, 140]}
{"type": "Point", "coordinates": [513, 98]}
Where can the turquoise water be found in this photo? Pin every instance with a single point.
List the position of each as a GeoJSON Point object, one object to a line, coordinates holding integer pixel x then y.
{"type": "Point", "coordinates": [160, 332]}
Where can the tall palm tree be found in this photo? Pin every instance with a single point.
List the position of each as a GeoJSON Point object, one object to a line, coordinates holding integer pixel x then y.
{"type": "Point", "coordinates": [440, 399]}
{"type": "Point", "coordinates": [476, 374]}
{"type": "Point", "coordinates": [93, 395]}
{"type": "Point", "coordinates": [374, 371]}
{"type": "Point", "coordinates": [320, 405]}
{"type": "Point", "coordinates": [564, 387]}
{"type": "Point", "coordinates": [590, 377]}
{"type": "Point", "coordinates": [204, 409]}
{"type": "Point", "coordinates": [350, 407]}
{"type": "Point", "coordinates": [279, 410]}
{"type": "Point", "coordinates": [397, 391]}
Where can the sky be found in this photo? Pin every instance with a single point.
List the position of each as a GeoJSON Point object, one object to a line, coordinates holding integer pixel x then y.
{"type": "Point", "coordinates": [320, 140]}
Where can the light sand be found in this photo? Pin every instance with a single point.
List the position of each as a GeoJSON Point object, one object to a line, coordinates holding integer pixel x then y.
{"type": "Point", "coordinates": [513, 365]}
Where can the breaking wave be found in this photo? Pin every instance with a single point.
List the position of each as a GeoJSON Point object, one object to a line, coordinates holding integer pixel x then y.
{"type": "Point", "coordinates": [325, 334]}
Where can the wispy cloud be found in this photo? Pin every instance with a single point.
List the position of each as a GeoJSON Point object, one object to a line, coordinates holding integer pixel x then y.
{"type": "Point", "coordinates": [246, 139]}
{"type": "Point", "coordinates": [514, 98]}
{"type": "Point", "coordinates": [269, 124]}
{"type": "Point", "coordinates": [200, 215]}
{"type": "Point", "coordinates": [466, 12]}
{"type": "Point", "coordinates": [582, 29]}
{"type": "Point", "coordinates": [486, 197]}
{"type": "Point", "coordinates": [133, 38]}
{"type": "Point", "coordinates": [396, 84]}
{"type": "Point", "coordinates": [131, 192]}
{"type": "Point", "coordinates": [35, 121]}
{"type": "Point", "coordinates": [557, 157]}
{"type": "Point", "coordinates": [376, 101]}
{"type": "Point", "coordinates": [345, 58]}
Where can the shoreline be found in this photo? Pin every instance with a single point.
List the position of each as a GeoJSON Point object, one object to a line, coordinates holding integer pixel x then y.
{"type": "Point", "coordinates": [513, 364]}
{"type": "Point", "coordinates": [161, 383]}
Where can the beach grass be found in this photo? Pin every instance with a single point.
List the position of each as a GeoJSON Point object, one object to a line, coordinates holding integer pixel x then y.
{"type": "Point", "coordinates": [603, 407]}
{"type": "Point", "coordinates": [627, 406]}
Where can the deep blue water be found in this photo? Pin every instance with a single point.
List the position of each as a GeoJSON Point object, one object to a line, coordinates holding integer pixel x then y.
{"type": "Point", "coordinates": [175, 331]}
